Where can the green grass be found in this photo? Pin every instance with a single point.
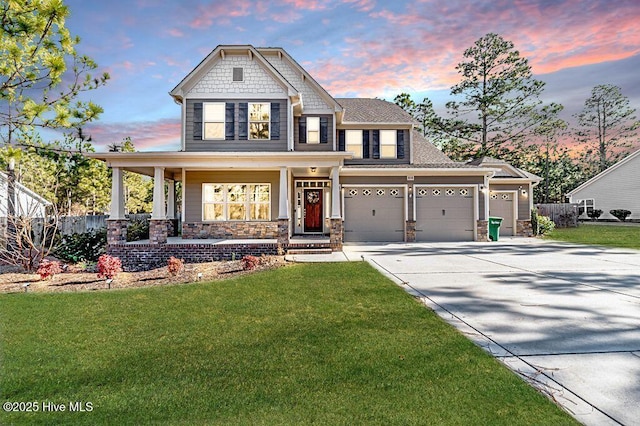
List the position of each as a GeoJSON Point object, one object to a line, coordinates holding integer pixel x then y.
{"type": "Point", "coordinates": [601, 235]}
{"type": "Point", "coordinates": [306, 344]}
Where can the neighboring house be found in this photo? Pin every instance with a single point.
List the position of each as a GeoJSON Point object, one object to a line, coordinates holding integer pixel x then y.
{"type": "Point", "coordinates": [267, 153]}
{"type": "Point", "coordinates": [27, 204]}
{"type": "Point", "coordinates": [614, 188]}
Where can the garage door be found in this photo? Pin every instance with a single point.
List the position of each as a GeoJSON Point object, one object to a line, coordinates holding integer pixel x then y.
{"type": "Point", "coordinates": [374, 214]}
{"type": "Point", "coordinates": [501, 204]}
{"type": "Point", "coordinates": [444, 214]}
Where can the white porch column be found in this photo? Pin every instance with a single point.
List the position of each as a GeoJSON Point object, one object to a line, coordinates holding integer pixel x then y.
{"type": "Point", "coordinates": [158, 211]}
{"type": "Point", "coordinates": [171, 199]}
{"type": "Point", "coordinates": [335, 193]}
{"type": "Point", "coordinates": [117, 194]}
{"type": "Point", "coordinates": [283, 211]}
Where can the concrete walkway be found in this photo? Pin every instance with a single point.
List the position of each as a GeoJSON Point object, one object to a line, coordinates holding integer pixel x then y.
{"type": "Point", "coordinates": [565, 317]}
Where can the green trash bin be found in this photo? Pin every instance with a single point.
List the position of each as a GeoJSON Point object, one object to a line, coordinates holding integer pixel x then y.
{"type": "Point", "coordinates": [494, 228]}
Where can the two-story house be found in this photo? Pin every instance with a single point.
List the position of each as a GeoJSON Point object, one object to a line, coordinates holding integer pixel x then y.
{"type": "Point", "coordinates": [269, 156]}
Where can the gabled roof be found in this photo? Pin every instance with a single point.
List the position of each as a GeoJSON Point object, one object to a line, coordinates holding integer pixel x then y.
{"type": "Point", "coordinates": [604, 173]}
{"type": "Point", "coordinates": [374, 111]}
{"type": "Point", "coordinates": [218, 53]}
{"type": "Point", "coordinates": [21, 188]}
{"type": "Point", "coordinates": [505, 170]}
{"type": "Point", "coordinates": [424, 152]}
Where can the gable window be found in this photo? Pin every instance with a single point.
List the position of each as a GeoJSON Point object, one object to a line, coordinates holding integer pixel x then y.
{"type": "Point", "coordinates": [238, 74]}
{"type": "Point", "coordinates": [313, 129]}
{"type": "Point", "coordinates": [353, 139]}
{"type": "Point", "coordinates": [388, 143]}
{"type": "Point", "coordinates": [236, 201]}
{"type": "Point", "coordinates": [259, 119]}
{"type": "Point", "coordinates": [213, 120]}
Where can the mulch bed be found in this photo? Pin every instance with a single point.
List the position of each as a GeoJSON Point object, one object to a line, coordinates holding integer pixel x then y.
{"type": "Point", "coordinates": [14, 280]}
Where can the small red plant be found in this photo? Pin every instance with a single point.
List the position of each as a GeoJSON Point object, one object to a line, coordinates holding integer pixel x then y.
{"type": "Point", "coordinates": [108, 266]}
{"type": "Point", "coordinates": [250, 262]}
{"type": "Point", "coordinates": [175, 266]}
{"type": "Point", "coordinates": [48, 268]}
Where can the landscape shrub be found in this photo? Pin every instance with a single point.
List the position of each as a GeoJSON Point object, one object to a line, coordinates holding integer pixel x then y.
{"type": "Point", "coordinates": [48, 268]}
{"type": "Point", "coordinates": [137, 230]}
{"type": "Point", "coordinates": [175, 266]}
{"type": "Point", "coordinates": [250, 262]}
{"type": "Point", "coordinates": [594, 214]}
{"type": "Point", "coordinates": [620, 214]}
{"type": "Point", "coordinates": [545, 224]}
{"type": "Point", "coordinates": [109, 266]}
{"type": "Point", "coordinates": [534, 221]}
{"type": "Point", "coordinates": [87, 246]}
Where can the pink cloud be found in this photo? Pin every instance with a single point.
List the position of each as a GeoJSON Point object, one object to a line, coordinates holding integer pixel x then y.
{"type": "Point", "coordinates": [174, 32]}
{"type": "Point", "coordinates": [220, 13]}
{"type": "Point", "coordinates": [146, 135]}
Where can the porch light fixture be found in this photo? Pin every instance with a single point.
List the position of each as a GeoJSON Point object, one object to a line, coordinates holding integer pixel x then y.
{"type": "Point", "coordinates": [523, 192]}
{"type": "Point", "coordinates": [313, 169]}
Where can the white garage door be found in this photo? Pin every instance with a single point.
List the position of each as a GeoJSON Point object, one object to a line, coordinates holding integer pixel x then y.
{"type": "Point", "coordinates": [444, 213]}
{"type": "Point", "coordinates": [501, 204]}
{"type": "Point", "coordinates": [374, 214]}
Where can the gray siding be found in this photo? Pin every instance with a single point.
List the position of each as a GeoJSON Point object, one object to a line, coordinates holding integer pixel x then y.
{"type": "Point", "coordinates": [523, 202]}
{"type": "Point", "coordinates": [192, 144]}
{"type": "Point", "coordinates": [371, 160]}
{"type": "Point", "coordinates": [331, 134]}
{"type": "Point", "coordinates": [195, 179]}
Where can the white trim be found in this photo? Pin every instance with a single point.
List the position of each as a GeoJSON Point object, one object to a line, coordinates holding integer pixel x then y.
{"type": "Point", "coordinates": [415, 171]}
{"type": "Point", "coordinates": [602, 174]}
{"type": "Point", "coordinates": [183, 210]}
{"type": "Point", "coordinates": [335, 133]}
{"type": "Point", "coordinates": [405, 187]}
{"type": "Point", "coordinates": [476, 203]}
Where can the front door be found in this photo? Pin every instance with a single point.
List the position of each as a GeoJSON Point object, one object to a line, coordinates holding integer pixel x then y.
{"type": "Point", "coordinates": [313, 210]}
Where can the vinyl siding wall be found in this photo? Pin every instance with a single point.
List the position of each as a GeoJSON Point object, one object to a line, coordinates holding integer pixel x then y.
{"type": "Point", "coordinates": [407, 151]}
{"type": "Point", "coordinates": [524, 212]}
{"type": "Point", "coordinates": [314, 147]}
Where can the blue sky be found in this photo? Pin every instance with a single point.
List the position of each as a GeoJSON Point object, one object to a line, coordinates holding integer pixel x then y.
{"type": "Point", "coordinates": [364, 48]}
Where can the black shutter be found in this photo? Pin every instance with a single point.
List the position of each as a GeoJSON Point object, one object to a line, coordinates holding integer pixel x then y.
{"type": "Point", "coordinates": [341, 138]}
{"type": "Point", "coordinates": [324, 130]}
{"type": "Point", "coordinates": [302, 130]}
{"type": "Point", "coordinates": [376, 144]}
{"type": "Point", "coordinates": [275, 120]}
{"type": "Point", "coordinates": [243, 121]}
{"type": "Point", "coordinates": [400, 144]}
{"type": "Point", "coordinates": [229, 121]}
{"type": "Point", "coordinates": [197, 121]}
{"type": "Point", "coordinates": [365, 144]}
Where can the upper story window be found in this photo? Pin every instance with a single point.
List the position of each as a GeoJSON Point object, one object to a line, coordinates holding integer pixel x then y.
{"type": "Point", "coordinates": [213, 120]}
{"type": "Point", "coordinates": [388, 143]}
{"type": "Point", "coordinates": [353, 142]}
{"type": "Point", "coordinates": [313, 129]}
{"type": "Point", "coordinates": [259, 118]}
{"type": "Point", "coordinates": [238, 74]}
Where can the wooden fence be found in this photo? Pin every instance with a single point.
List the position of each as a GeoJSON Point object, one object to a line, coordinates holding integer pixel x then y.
{"type": "Point", "coordinates": [563, 215]}
{"type": "Point", "coordinates": [68, 225]}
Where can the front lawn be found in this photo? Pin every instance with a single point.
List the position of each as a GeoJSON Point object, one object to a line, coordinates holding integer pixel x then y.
{"type": "Point", "coordinates": [600, 235]}
{"type": "Point", "coordinates": [319, 343]}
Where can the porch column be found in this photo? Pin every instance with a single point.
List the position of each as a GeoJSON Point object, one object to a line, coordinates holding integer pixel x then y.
{"type": "Point", "coordinates": [158, 224]}
{"type": "Point", "coordinates": [117, 221]}
{"type": "Point", "coordinates": [171, 208]}
{"type": "Point", "coordinates": [335, 194]}
{"type": "Point", "coordinates": [336, 231]}
{"type": "Point", "coordinates": [283, 210]}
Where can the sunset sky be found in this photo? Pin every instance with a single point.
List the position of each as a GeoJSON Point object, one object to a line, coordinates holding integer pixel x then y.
{"type": "Point", "coordinates": [360, 48]}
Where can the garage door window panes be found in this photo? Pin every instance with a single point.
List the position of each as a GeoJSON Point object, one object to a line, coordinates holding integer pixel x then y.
{"type": "Point", "coordinates": [236, 202]}
{"type": "Point", "coordinates": [388, 143]}
{"type": "Point", "coordinates": [353, 139]}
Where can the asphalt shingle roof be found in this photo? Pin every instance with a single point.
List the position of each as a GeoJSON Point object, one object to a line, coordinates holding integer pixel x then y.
{"type": "Point", "coordinates": [366, 110]}
{"type": "Point", "coordinates": [424, 152]}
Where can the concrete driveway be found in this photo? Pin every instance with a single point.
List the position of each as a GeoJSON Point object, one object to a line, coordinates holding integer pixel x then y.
{"type": "Point", "coordinates": [566, 317]}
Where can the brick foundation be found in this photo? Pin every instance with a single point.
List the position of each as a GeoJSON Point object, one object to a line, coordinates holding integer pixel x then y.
{"type": "Point", "coordinates": [158, 231]}
{"type": "Point", "coordinates": [524, 228]}
{"type": "Point", "coordinates": [117, 231]}
{"type": "Point", "coordinates": [230, 230]}
{"type": "Point", "coordinates": [335, 234]}
{"type": "Point", "coordinates": [410, 233]}
{"type": "Point", "coordinates": [142, 257]}
{"type": "Point", "coordinates": [482, 230]}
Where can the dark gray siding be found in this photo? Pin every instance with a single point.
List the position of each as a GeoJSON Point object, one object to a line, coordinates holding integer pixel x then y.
{"type": "Point", "coordinates": [523, 201]}
{"type": "Point", "coordinates": [371, 160]}
{"type": "Point", "coordinates": [195, 179]}
{"type": "Point", "coordinates": [331, 134]}
{"type": "Point", "coordinates": [236, 144]}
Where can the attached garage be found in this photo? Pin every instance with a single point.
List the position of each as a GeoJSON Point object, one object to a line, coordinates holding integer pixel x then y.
{"type": "Point", "coordinates": [374, 213]}
{"type": "Point", "coordinates": [503, 204]}
{"type": "Point", "coordinates": [445, 213]}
